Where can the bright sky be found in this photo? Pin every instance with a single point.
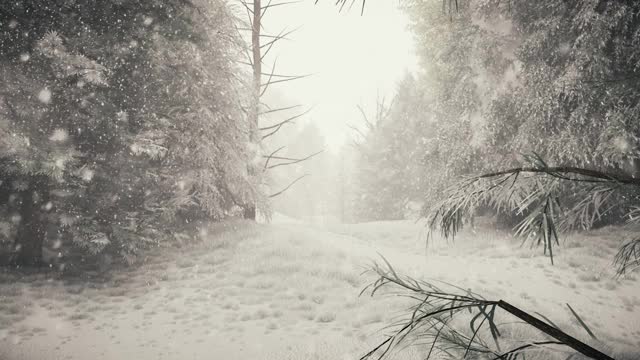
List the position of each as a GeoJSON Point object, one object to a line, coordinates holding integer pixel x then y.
{"type": "Point", "coordinates": [352, 59]}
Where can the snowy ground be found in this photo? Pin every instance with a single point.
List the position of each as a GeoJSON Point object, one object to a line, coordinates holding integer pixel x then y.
{"type": "Point", "coordinates": [290, 291]}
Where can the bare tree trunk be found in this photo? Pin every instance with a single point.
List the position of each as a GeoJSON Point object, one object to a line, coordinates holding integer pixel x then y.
{"type": "Point", "coordinates": [257, 54]}
{"type": "Point", "coordinates": [250, 209]}
{"type": "Point", "coordinates": [255, 12]}
{"type": "Point", "coordinates": [32, 229]}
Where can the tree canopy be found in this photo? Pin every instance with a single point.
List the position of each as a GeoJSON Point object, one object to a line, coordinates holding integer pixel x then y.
{"type": "Point", "coordinates": [545, 86]}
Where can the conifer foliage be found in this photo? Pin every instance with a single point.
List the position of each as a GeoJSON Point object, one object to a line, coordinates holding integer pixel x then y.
{"type": "Point", "coordinates": [119, 120]}
{"type": "Point", "coordinates": [505, 78]}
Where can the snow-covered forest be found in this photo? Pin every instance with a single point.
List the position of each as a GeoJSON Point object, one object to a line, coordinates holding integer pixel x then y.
{"type": "Point", "coordinates": [209, 179]}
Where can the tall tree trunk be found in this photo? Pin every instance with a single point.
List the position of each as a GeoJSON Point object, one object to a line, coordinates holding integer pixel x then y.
{"type": "Point", "coordinates": [250, 212]}
{"type": "Point", "coordinates": [250, 209]}
{"type": "Point", "coordinates": [32, 229]}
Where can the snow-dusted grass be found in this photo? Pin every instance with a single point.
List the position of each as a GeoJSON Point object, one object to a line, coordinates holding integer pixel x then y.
{"type": "Point", "coordinates": [291, 292]}
{"type": "Point", "coordinates": [249, 292]}
{"type": "Point", "coordinates": [495, 265]}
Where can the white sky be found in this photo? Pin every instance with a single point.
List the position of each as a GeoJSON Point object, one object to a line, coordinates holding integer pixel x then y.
{"type": "Point", "coordinates": [352, 59]}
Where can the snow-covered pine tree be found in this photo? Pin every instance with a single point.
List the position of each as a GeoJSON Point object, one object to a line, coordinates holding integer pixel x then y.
{"type": "Point", "coordinates": [116, 116]}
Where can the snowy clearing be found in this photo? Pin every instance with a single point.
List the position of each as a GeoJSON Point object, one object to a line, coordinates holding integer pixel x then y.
{"type": "Point", "coordinates": [287, 291]}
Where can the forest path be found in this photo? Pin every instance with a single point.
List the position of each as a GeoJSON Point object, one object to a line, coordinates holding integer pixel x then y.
{"type": "Point", "coordinates": [290, 291]}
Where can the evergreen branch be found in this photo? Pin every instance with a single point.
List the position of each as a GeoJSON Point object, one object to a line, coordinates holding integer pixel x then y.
{"type": "Point", "coordinates": [628, 257]}
{"type": "Point", "coordinates": [507, 190]}
{"type": "Point", "coordinates": [508, 355]}
{"type": "Point", "coordinates": [437, 306]}
{"type": "Point", "coordinates": [582, 323]}
{"type": "Point", "coordinates": [561, 172]}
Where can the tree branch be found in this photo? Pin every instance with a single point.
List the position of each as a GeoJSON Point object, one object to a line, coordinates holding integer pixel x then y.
{"type": "Point", "coordinates": [295, 161]}
{"type": "Point", "coordinates": [281, 36]}
{"type": "Point", "coordinates": [364, 117]}
{"type": "Point", "coordinates": [270, 44]}
{"type": "Point", "coordinates": [280, 109]}
{"type": "Point", "coordinates": [269, 5]}
{"type": "Point", "coordinates": [561, 172]}
{"type": "Point", "coordinates": [266, 85]}
{"type": "Point", "coordinates": [357, 130]}
{"type": "Point", "coordinates": [281, 158]}
{"type": "Point", "coordinates": [555, 333]}
{"type": "Point", "coordinates": [288, 186]}
{"type": "Point", "coordinates": [290, 78]}
{"type": "Point", "coordinates": [271, 156]}
{"type": "Point", "coordinates": [279, 125]}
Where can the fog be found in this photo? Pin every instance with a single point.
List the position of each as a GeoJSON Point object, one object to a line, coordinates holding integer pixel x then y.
{"type": "Point", "coordinates": [365, 55]}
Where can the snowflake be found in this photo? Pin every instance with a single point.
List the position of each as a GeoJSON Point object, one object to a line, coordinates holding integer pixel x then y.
{"type": "Point", "coordinates": [59, 135]}
{"type": "Point", "coordinates": [15, 219]}
{"type": "Point", "coordinates": [622, 144]}
{"type": "Point", "coordinates": [86, 174]}
{"type": "Point", "coordinates": [67, 220]}
{"type": "Point", "coordinates": [122, 116]}
{"type": "Point", "coordinates": [44, 96]}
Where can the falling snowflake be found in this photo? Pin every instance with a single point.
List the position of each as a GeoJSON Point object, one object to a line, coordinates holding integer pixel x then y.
{"type": "Point", "coordinates": [24, 57]}
{"type": "Point", "coordinates": [622, 144]}
{"type": "Point", "coordinates": [67, 220]}
{"type": "Point", "coordinates": [59, 135]}
{"type": "Point", "coordinates": [147, 21]}
{"type": "Point", "coordinates": [44, 96]}
{"type": "Point", "coordinates": [122, 116]}
{"type": "Point", "coordinates": [564, 48]}
{"type": "Point", "coordinates": [86, 174]}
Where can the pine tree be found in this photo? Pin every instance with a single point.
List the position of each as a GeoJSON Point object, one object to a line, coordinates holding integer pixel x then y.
{"type": "Point", "coordinates": [119, 120]}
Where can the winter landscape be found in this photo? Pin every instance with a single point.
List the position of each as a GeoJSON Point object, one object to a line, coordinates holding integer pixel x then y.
{"type": "Point", "coordinates": [406, 179]}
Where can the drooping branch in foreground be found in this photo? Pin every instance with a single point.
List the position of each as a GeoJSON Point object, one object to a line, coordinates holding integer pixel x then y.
{"type": "Point", "coordinates": [430, 322]}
